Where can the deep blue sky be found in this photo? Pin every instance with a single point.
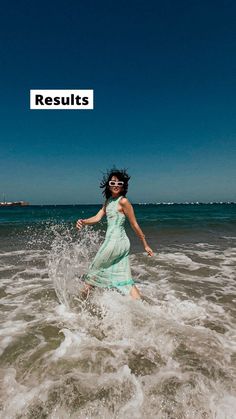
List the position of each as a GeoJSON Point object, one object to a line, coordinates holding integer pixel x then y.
{"type": "Point", "coordinates": [163, 74]}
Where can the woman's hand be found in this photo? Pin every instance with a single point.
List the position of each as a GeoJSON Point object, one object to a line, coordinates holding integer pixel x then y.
{"type": "Point", "coordinates": [148, 250]}
{"type": "Point", "coordinates": [79, 224]}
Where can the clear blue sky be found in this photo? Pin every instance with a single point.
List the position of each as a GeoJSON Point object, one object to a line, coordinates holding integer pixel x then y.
{"type": "Point", "coordinates": [163, 74]}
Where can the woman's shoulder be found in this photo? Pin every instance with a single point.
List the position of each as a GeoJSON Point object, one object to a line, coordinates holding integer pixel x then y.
{"type": "Point", "coordinates": [124, 201]}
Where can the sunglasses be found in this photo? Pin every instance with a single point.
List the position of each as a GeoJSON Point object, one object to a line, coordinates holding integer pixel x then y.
{"type": "Point", "coordinates": [116, 183]}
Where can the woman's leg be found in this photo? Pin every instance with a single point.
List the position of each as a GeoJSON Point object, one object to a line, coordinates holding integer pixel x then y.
{"type": "Point", "coordinates": [135, 294]}
{"type": "Point", "coordinates": [86, 290]}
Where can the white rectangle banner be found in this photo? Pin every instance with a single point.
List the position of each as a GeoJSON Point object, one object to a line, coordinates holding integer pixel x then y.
{"type": "Point", "coordinates": [61, 99]}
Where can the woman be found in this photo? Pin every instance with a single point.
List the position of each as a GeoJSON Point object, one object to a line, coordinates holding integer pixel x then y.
{"type": "Point", "coordinates": [110, 267]}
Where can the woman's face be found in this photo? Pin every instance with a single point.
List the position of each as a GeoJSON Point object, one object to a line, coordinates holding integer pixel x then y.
{"type": "Point", "coordinates": [115, 190]}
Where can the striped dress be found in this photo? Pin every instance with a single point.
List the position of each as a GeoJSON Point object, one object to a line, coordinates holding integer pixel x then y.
{"type": "Point", "coordinates": [110, 267]}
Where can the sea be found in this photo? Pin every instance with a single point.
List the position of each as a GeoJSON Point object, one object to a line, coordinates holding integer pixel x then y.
{"type": "Point", "coordinates": [170, 355]}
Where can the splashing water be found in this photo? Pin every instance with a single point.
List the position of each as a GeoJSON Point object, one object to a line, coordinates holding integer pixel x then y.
{"type": "Point", "coordinates": [69, 260]}
{"type": "Point", "coordinates": [172, 355]}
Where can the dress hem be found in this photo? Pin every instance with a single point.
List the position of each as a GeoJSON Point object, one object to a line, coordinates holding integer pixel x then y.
{"type": "Point", "coordinates": [112, 285]}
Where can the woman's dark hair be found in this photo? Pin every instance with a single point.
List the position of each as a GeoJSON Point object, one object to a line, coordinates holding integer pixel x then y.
{"type": "Point", "coordinates": [120, 174]}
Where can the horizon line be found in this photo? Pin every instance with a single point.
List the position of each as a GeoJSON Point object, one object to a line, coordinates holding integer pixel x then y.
{"type": "Point", "coordinates": [147, 203]}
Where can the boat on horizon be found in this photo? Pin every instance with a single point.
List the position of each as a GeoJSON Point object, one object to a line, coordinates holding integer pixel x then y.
{"type": "Point", "coordinates": [14, 204]}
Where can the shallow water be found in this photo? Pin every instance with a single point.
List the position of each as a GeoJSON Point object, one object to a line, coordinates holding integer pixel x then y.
{"type": "Point", "coordinates": [171, 355]}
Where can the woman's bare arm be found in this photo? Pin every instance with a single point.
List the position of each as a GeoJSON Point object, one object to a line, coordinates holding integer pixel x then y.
{"type": "Point", "coordinates": [92, 220]}
{"type": "Point", "coordinates": [129, 212]}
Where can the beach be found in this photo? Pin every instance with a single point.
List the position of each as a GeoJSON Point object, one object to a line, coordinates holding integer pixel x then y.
{"type": "Point", "coordinates": [171, 355]}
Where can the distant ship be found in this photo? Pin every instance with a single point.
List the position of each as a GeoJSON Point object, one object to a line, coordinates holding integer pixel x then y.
{"type": "Point", "coordinates": [14, 204]}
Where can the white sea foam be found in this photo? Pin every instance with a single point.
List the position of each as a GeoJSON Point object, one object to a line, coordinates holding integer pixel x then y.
{"type": "Point", "coordinates": [9, 331]}
{"type": "Point", "coordinates": [69, 347]}
{"type": "Point", "coordinates": [179, 259]}
{"type": "Point", "coordinates": [169, 355]}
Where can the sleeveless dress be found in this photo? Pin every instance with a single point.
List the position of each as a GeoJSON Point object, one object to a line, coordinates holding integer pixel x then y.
{"type": "Point", "coordinates": [110, 267]}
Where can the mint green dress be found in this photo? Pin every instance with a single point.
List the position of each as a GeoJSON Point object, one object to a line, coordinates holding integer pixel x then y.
{"type": "Point", "coordinates": [110, 267]}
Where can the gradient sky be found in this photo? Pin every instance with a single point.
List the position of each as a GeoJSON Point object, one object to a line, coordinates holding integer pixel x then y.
{"type": "Point", "coordinates": [163, 74]}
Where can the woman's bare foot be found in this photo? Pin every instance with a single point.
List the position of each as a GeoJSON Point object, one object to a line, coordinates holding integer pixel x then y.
{"type": "Point", "coordinates": [135, 294]}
